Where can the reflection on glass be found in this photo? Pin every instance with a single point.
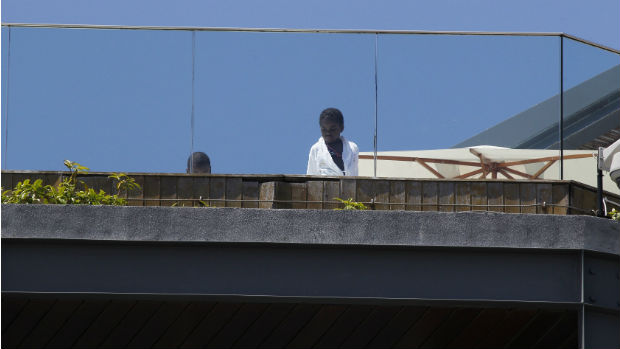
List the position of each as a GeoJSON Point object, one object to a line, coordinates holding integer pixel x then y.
{"type": "Point", "coordinates": [591, 108]}
{"type": "Point", "coordinates": [438, 92]}
{"type": "Point", "coordinates": [113, 100]}
{"type": "Point", "coordinates": [259, 96]}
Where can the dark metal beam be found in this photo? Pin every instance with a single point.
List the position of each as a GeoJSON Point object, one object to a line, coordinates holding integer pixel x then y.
{"type": "Point", "coordinates": [600, 328]}
{"type": "Point", "coordinates": [293, 271]}
{"type": "Point", "coordinates": [600, 310]}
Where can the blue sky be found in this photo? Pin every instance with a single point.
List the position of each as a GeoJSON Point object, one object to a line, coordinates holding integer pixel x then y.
{"type": "Point", "coordinates": [121, 100]}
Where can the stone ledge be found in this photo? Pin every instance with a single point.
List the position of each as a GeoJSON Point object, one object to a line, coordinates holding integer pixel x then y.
{"type": "Point", "coordinates": [321, 227]}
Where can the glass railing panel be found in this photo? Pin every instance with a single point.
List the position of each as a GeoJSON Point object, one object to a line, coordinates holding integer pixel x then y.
{"type": "Point", "coordinates": [5, 69]}
{"type": "Point", "coordinates": [591, 108]}
{"type": "Point", "coordinates": [455, 97]}
{"type": "Point", "coordinates": [258, 96]}
{"type": "Point", "coordinates": [113, 100]}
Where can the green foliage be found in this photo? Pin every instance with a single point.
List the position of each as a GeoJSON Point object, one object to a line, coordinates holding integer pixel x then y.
{"type": "Point", "coordinates": [615, 215]}
{"type": "Point", "coordinates": [201, 203]}
{"type": "Point", "coordinates": [351, 205]}
{"type": "Point", "coordinates": [124, 183]}
{"type": "Point", "coordinates": [27, 193]}
{"type": "Point", "coordinates": [66, 192]}
{"type": "Point", "coordinates": [74, 167]}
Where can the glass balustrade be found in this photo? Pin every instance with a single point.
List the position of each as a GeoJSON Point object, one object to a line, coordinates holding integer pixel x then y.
{"type": "Point", "coordinates": [5, 83]}
{"type": "Point", "coordinates": [430, 105]}
{"type": "Point", "coordinates": [591, 108]}
{"type": "Point", "coordinates": [258, 96]}
{"type": "Point", "coordinates": [113, 100]}
{"type": "Point", "coordinates": [451, 97]}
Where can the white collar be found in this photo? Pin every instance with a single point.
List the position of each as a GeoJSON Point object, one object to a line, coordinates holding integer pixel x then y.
{"type": "Point", "coordinates": [346, 153]}
{"type": "Point", "coordinates": [344, 141]}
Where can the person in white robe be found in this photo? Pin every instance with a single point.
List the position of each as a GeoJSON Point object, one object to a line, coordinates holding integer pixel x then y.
{"type": "Point", "coordinates": [333, 154]}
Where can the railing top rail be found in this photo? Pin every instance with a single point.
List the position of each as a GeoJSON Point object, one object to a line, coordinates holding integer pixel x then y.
{"type": "Point", "coordinates": [305, 30]}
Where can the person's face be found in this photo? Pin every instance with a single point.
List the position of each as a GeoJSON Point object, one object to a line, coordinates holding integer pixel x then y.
{"type": "Point", "coordinates": [330, 130]}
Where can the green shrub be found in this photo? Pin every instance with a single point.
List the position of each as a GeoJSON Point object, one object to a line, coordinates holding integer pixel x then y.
{"type": "Point", "coordinates": [200, 203]}
{"type": "Point", "coordinates": [615, 215]}
{"type": "Point", "coordinates": [66, 192]}
{"type": "Point", "coordinates": [351, 205]}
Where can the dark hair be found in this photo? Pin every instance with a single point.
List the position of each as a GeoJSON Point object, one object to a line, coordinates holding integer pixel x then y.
{"type": "Point", "coordinates": [200, 161]}
{"type": "Point", "coordinates": [333, 115]}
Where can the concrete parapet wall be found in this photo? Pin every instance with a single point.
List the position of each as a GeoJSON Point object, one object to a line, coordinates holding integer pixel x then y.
{"type": "Point", "coordinates": [322, 227]}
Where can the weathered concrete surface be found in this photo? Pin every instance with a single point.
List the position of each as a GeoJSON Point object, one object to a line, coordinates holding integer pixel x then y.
{"type": "Point", "coordinates": [382, 228]}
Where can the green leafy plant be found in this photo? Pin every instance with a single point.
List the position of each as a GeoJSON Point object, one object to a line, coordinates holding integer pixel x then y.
{"type": "Point", "coordinates": [27, 193]}
{"type": "Point", "coordinates": [66, 192]}
{"type": "Point", "coordinates": [124, 183]}
{"type": "Point", "coordinates": [614, 214]}
{"type": "Point", "coordinates": [351, 205]}
{"type": "Point", "coordinates": [201, 203]}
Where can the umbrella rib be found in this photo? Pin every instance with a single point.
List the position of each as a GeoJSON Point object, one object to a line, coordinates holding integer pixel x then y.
{"type": "Point", "coordinates": [505, 173]}
{"type": "Point", "coordinates": [468, 174]}
{"type": "Point", "coordinates": [502, 168]}
{"type": "Point", "coordinates": [426, 166]}
{"type": "Point", "coordinates": [548, 158]}
{"type": "Point", "coordinates": [519, 173]}
{"type": "Point", "coordinates": [543, 169]}
{"type": "Point", "coordinates": [409, 158]}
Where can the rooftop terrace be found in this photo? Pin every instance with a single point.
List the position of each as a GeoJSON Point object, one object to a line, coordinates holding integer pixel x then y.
{"type": "Point", "coordinates": [270, 263]}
